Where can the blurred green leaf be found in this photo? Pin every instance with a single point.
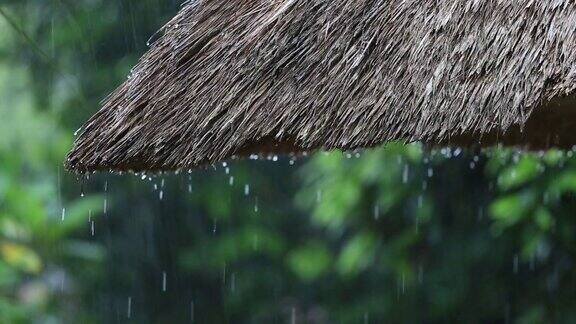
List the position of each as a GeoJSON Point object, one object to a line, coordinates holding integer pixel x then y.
{"type": "Point", "coordinates": [357, 254]}
{"type": "Point", "coordinates": [519, 174]}
{"type": "Point", "coordinates": [310, 261]}
{"type": "Point", "coordinates": [20, 257]}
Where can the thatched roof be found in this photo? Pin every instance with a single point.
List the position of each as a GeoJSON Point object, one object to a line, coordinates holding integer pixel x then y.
{"type": "Point", "coordinates": [237, 77]}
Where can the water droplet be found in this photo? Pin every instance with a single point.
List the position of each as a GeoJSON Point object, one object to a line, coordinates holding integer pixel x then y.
{"type": "Point", "coordinates": [246, 190]}
{"type": "Point", "coordinates": [420, 274]}
{"type": "Point", "coordinates": [129, 310]}
{"type": "Point", "coordinates": [231, 181]}
{"type": "Point", "coordinates": [63, 213]}
{"type": "Point", "coordinates": [233, 283]}
{"type": "Point", "coordinates": [405, 173]}
{"type": "Point", "coordinates": [164, 281]}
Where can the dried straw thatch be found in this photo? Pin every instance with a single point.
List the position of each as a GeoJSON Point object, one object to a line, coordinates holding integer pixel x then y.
{"type": "Point", "coordinates": [237, 77]}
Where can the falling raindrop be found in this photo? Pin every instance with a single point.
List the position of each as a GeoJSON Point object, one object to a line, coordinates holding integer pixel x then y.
{"type": "Point", "coordinates": [214, 226]}
{"type": "Point", "coordinates": [82, 187]}
{"type": "Point", "coordinates": [129, 310]}
{"type": "Point", "coordinates": [231, 181]}
{"type": "Point", "coordinates": [293, 316]}
{"type": "Point", "coordinates": [105, 197]}
{"type": "Point", "coordinates": [233, 283]}
{"type": "Point", "coordinates": [63, 213]}
{"type": "Point", "coordinates": [161, 195]}
{"type": "Point", "coordinates": [405, 174]}
{"type": "Point", "coordinates": [246, 190]}
{"type": "Point", "coordinates": [256, 205]}
{"type": "Point", "coordinates": [515, 264]}
{"type": "Point", "coordinates": [376, 212]}
{"type": "Point", "coordinates": [164, 281]}
{"type": "Point", "coordinates": [420, 274]}
{"type": "Point", "coordinates": [92, 228]}
{"type": "Point", "coordinates": [430, 172]}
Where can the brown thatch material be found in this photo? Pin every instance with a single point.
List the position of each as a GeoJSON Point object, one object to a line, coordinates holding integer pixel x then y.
{"type": "Point", "coordinates": [237, 77]}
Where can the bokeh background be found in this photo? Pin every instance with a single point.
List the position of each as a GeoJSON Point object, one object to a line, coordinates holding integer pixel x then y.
{"type": "Point", "coordinates": [398, 234]}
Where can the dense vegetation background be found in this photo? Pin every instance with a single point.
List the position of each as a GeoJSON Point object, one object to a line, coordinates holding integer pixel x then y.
{"type": "Point", "coordinates": [395, 234]}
